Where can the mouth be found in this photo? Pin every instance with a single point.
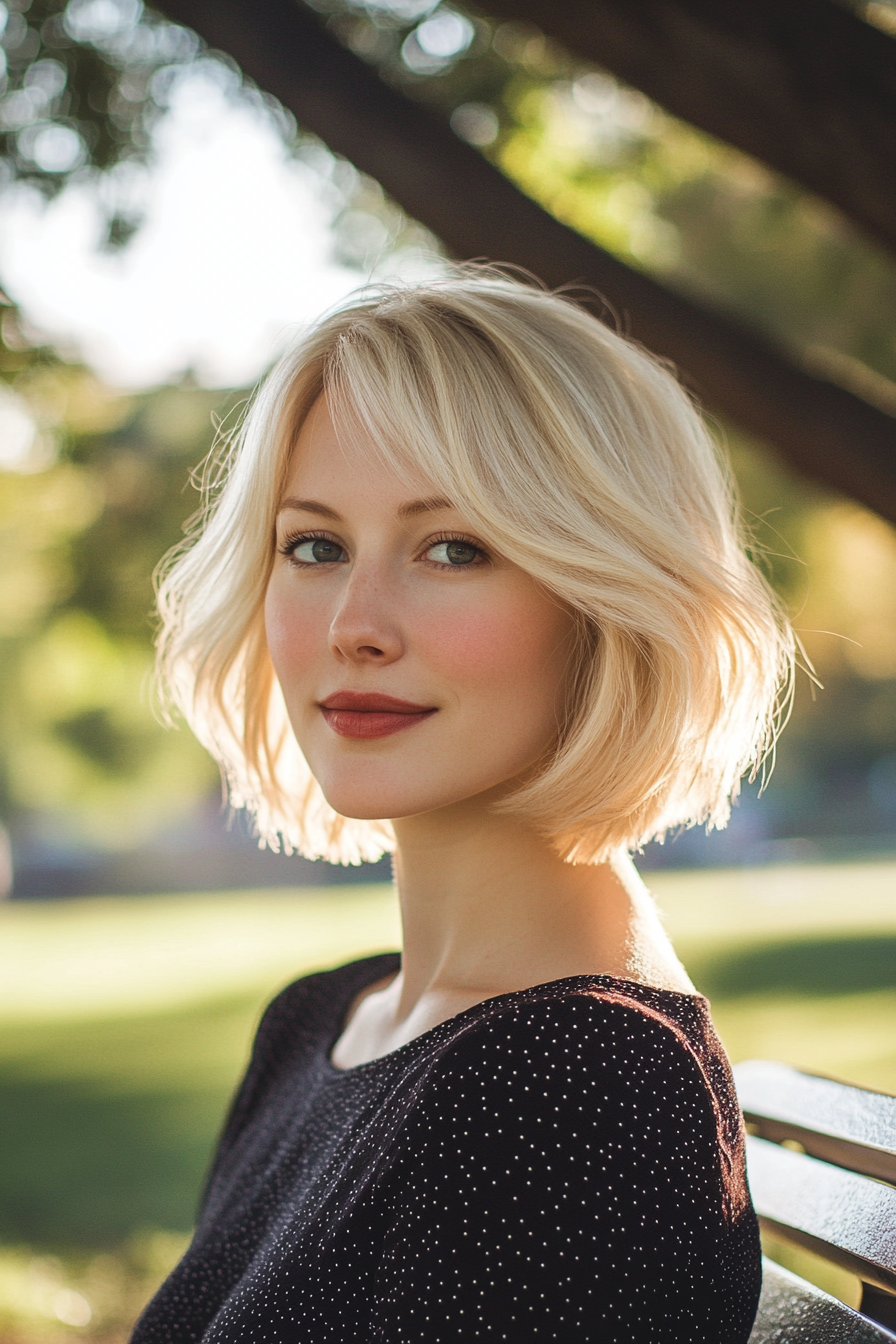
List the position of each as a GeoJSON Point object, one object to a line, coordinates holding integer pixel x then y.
{"type": "Point", "coordinates": [359, 715]}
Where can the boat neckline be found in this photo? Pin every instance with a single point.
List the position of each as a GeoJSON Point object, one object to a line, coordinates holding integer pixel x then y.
{"type": "Point", "coordinates": [508, 995]}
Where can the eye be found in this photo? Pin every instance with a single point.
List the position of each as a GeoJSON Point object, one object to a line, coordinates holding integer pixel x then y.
{"type": "Point", "coordinates": [454, 552]}
{"type": "Point", "coordinates": [313, 550]}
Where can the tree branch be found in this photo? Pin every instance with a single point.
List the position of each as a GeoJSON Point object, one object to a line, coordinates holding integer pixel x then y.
{"type": "Point", "coordinates": [803, 85]}
{"type": "Point", "coordinates": [823, 430]}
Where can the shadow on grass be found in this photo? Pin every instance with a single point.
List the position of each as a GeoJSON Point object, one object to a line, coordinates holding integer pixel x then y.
{"type": "Point", "coordinates": [82, 1168]}
{"type": "Point", "coordinates": [107, 1126]}
{"type": "Point", "coordinates": [812, 966]}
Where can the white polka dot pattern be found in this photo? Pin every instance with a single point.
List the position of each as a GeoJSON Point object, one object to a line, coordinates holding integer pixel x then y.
{"type": "Point", "coordinates": [563, 1163]}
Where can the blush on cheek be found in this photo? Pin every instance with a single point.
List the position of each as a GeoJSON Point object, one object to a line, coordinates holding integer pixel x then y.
{"type": "Point", "coordinates": [500, 644]}
{"type": "Point", "coordinates": [294, 635]}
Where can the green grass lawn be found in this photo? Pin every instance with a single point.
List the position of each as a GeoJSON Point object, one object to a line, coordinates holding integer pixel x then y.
{"type": "Point", "coordinates": [126, 1023]}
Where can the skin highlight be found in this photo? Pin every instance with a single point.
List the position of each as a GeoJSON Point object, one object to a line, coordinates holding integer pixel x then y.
{"type": "Point", "coordinates": [425, 677]}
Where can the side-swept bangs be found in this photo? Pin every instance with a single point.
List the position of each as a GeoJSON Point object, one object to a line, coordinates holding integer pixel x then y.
{"type": "Point", "coordinates": [581, 459]}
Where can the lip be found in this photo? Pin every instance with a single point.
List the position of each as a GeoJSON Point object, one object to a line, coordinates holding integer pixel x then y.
{"type": "Point", "coordinates": [359, 714]}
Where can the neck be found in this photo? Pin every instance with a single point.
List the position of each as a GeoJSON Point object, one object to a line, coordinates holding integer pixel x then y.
{"type": "Point", "coordinates": [488, 906]}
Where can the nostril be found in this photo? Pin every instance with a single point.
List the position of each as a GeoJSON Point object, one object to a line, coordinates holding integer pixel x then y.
{"type": "Point", "coordinates": [370, 648]}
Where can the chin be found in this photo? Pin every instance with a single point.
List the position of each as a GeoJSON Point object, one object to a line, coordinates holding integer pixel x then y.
{"type": "Point", "coordinates": [366, 791]}
{"type": "Point", "coordinates": [379, 800]}
{"type": "Point", "coordinates": [380, 804]}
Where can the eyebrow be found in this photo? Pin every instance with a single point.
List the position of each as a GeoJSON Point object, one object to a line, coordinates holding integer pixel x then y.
{"type": "Point", "coordinates": [308, 506]}
{"type": "Point", "coordinates": [410, 510]}
{"type": "Point", "coordinates": [423, 506]}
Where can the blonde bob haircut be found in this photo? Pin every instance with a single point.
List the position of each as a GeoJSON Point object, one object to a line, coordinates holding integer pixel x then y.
{"type": "Point", "coordinates": [579, 457]}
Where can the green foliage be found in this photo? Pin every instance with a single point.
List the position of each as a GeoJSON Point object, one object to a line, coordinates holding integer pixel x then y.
{"type": "Point", "coordinates": [83, 86]}
{"type": "Point", "coordinates": [80, 538]}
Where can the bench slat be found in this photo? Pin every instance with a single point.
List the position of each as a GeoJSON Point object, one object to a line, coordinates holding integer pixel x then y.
{"type": "Point", "coordinates": [792, 1311]}
{"type": "Point", "coordinates": [841, 1124]}
{"type": "Point", "coordinates": [843, 1217]}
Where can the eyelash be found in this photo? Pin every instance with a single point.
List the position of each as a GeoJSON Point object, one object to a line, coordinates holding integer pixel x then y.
{"type": "Point", "coordinates": [442, 537]}
{"type": "Point", "coordinates": [289, 544]}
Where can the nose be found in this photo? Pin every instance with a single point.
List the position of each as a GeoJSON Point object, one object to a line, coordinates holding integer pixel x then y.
{"type": "Point", "coordinates": [364, 628]}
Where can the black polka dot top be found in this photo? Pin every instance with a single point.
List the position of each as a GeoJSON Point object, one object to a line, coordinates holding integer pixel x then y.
{"type": "Point", "coordinates": [561, 1163]}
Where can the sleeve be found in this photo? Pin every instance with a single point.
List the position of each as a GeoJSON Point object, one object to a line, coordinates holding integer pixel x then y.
{"type": "Point", "coordinates": [273, 1051]}
{"type": "Point", "coordinates": [561, 1179]}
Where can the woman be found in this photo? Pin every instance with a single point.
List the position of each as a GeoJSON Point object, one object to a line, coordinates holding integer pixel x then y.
{"type": "Point", "coordinates": [471, 586]}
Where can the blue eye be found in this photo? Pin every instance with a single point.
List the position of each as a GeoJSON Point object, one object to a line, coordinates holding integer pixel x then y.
{"type": "Point", "coordinates": [316, 551]}
{"type": "Point", "coordinates": [453, 553]}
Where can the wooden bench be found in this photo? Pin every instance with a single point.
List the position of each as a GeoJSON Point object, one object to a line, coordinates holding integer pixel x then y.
{"type": "Point", "coordinates": [821, 1158]}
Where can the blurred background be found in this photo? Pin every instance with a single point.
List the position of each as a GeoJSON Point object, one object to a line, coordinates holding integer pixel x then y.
{"type": "Point", "coordinates": [166, 226]}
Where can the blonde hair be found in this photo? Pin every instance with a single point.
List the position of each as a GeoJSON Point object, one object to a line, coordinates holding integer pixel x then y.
{"type": "Point", "coordinates": [582, 460]}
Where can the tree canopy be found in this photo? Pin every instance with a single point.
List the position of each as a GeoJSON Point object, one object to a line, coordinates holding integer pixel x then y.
{"type": "Point", "coordinates": [102, 486]}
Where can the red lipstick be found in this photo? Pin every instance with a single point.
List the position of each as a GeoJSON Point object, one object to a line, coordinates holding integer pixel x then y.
{"type": "Point", "coordinates": [365, 715]}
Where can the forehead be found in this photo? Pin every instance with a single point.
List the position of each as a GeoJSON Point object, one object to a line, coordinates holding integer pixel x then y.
{"type": "Point", "coordinates": [345, 461]}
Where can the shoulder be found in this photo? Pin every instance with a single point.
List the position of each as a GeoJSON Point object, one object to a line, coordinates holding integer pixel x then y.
{"type": "Point", "coordinates": [587, 1032]}
{"type": "Point", "coordinates": [589, 1113]}
{"type": "Point", "coordinates": [561, 1171]}
{"type": "Point", "coordinates": [594, 1067]}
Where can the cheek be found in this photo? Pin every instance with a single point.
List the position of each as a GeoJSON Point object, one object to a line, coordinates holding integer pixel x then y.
{"type": "Point", "coordinates": [294, 630]}
{"type": "Point", "coordinates": [504, 646]}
